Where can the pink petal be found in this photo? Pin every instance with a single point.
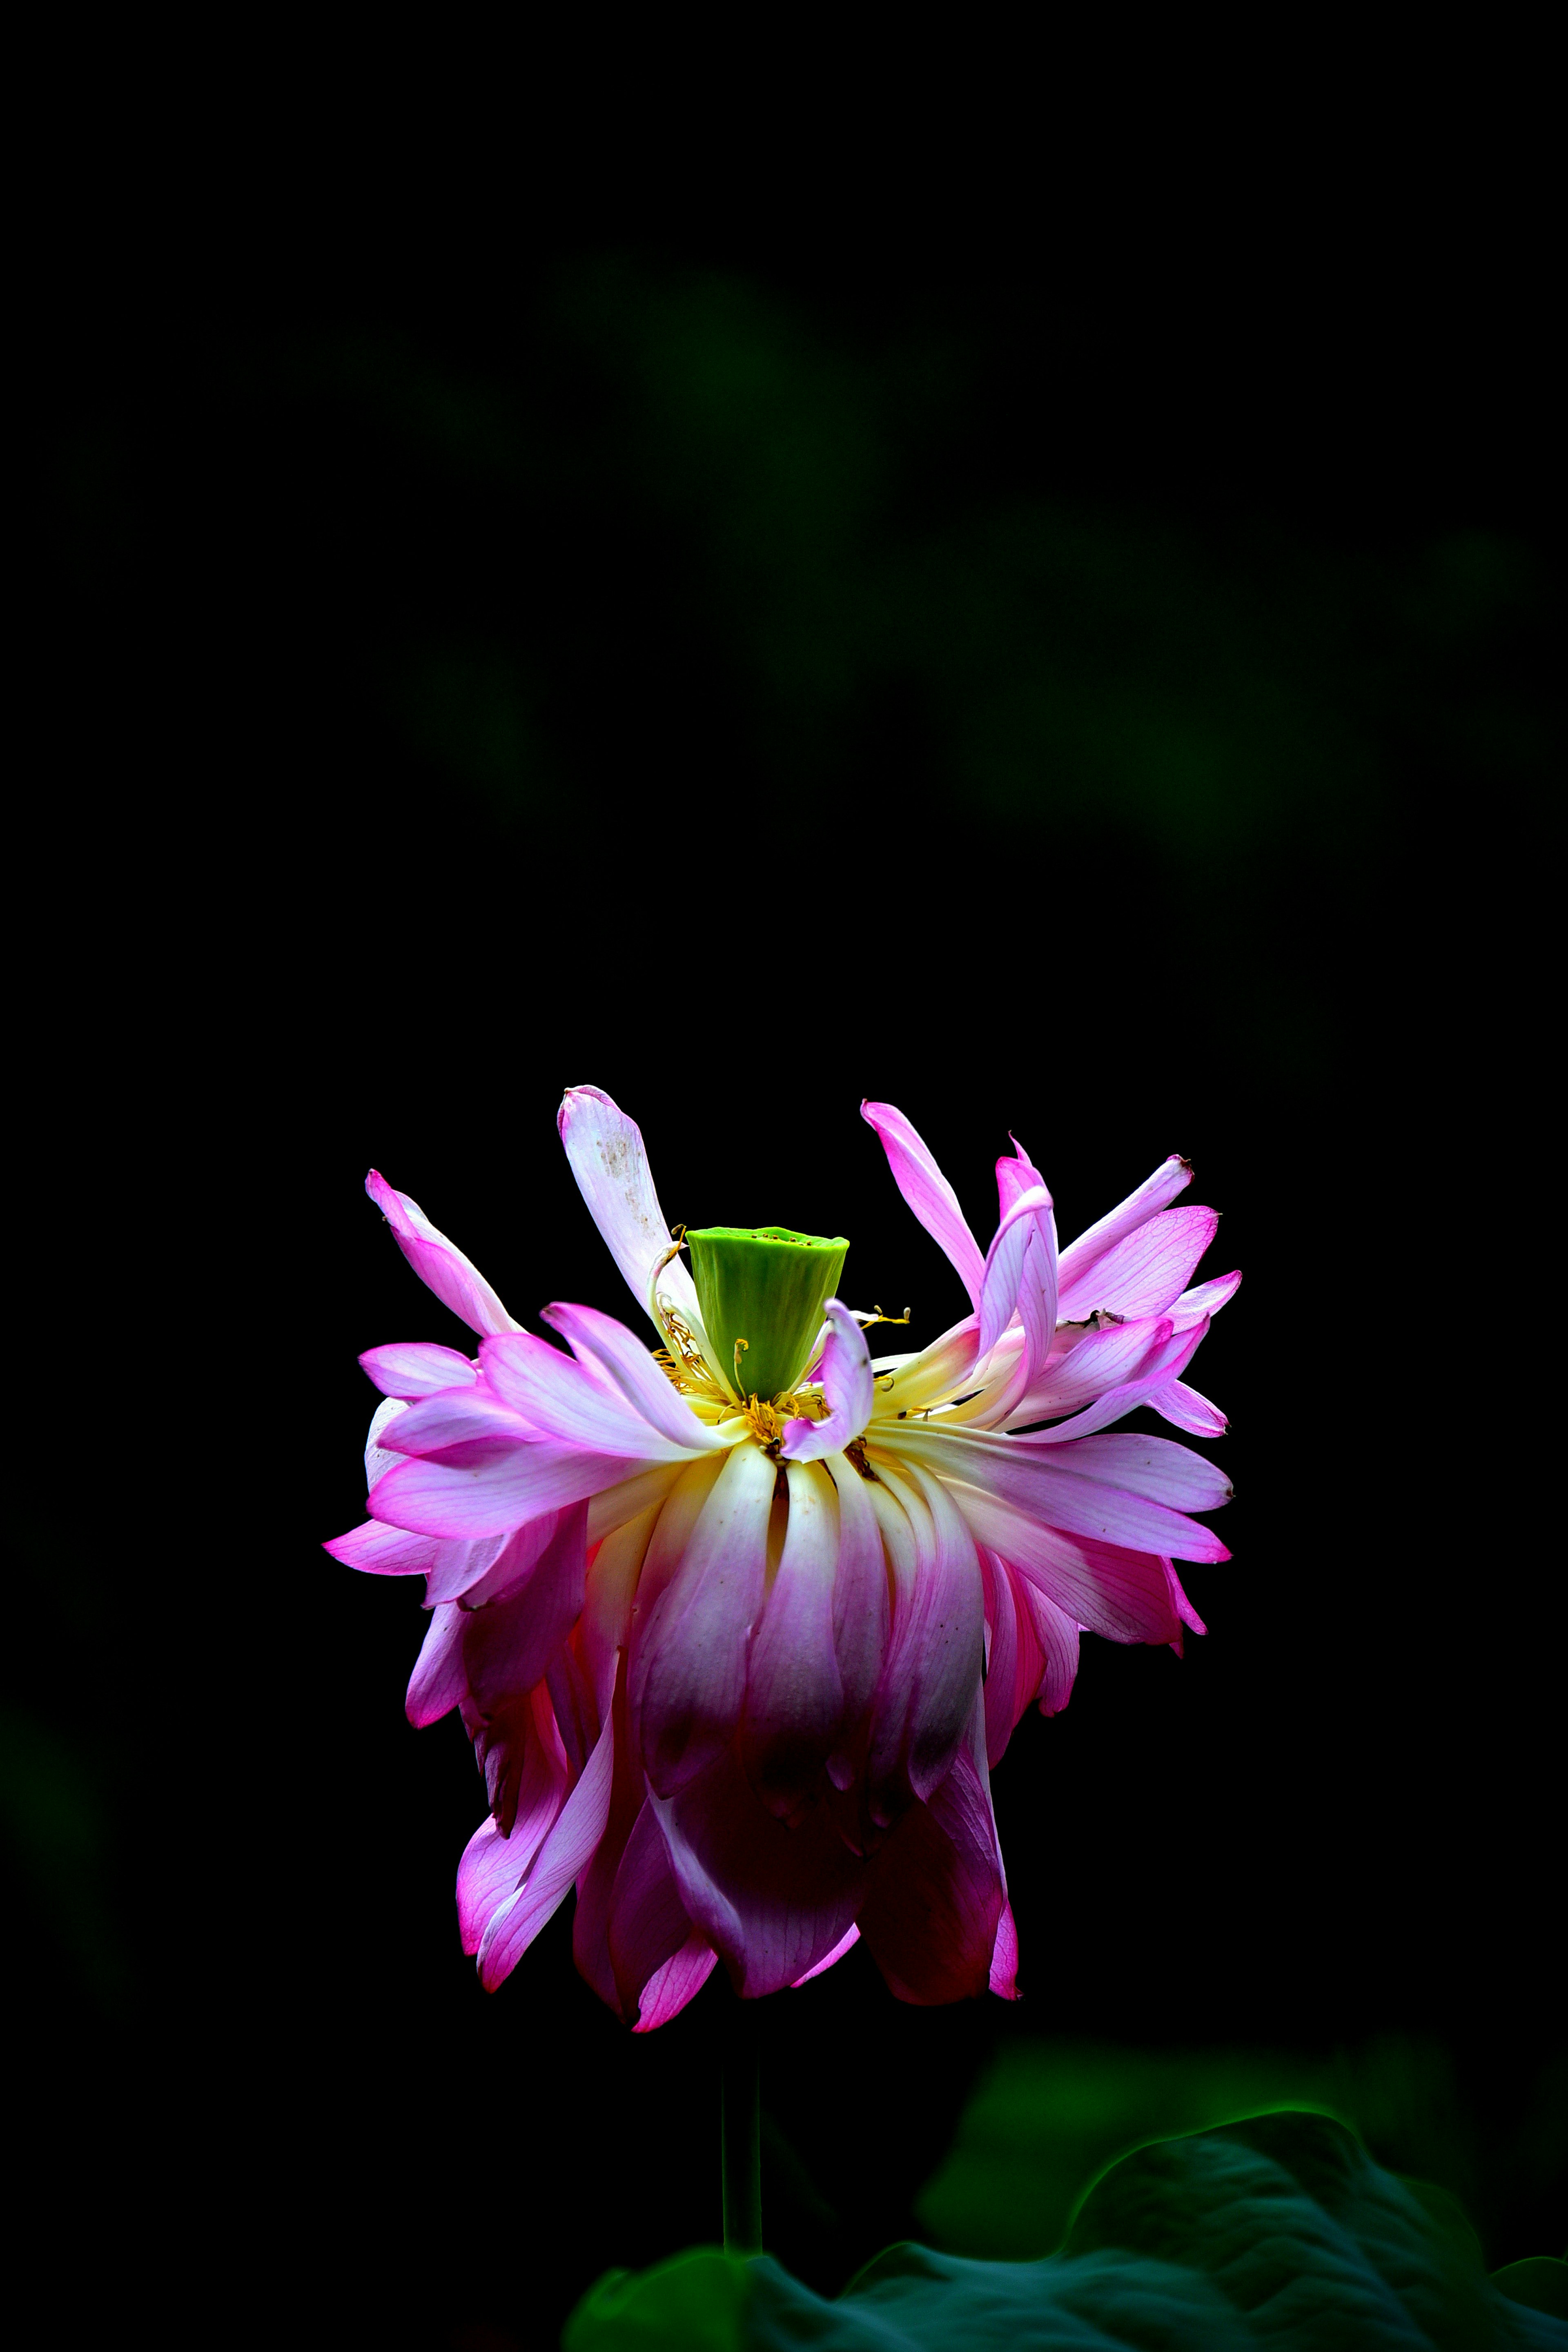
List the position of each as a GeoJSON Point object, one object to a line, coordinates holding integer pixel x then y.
{"type": "Point", "coordinates": [848, 1386]}
{"type": "Point", "coordinates": [1206, 1299]}
{"type": "Point", "coordinates": [1040, 1482]}
{"type": "Point", "coordinates": [928, 1194]}
{"type": "Point", "coordinates": [1121, 1593]}
{"type": "Point", "coordinates": [565, 1852]}
{"type": "Point", "coordinates": [415, 1368]}
{"type": "Point", "coordinates": [611, 1506]}
{"type": "Point", "coordinates": [794, 1698]}
{"type": "Point", "coordinates": [937, 1648]}
{"type": "Point", "coordinates": [1171, 1176]}
{"type": "Point", "coordinates": [507, 1645]}
{"type": "Point", "coordinates": [1101, 1362]}
{"type": "Point", "coordinates": [604, 1148]}
{"type": "Point", "coordinates": [377, 1551]}
{"type": "Point", "coordinates": [1015, 1663]}
{"type": "Point", "coordinates": [647, 1922]}
{"type": "Point", "coordinates": [860, 1591]}
{"type": "Point", "coordinates": [1183, 1406]}
{"type": "Point", "coordinates": [1166, 1472]}
{"type": "Point", "coordinates": [1058, 1636]}
{"type": "Point", "coordinates": [451, 1417]}
{"type": "Point", "coordinates": [1004, 1264]}
{"type": "Point", "coordinates": [552, 1394]}
{"type": "Point", "coordinates": [1173, 1355]}
{"type": "Point", "coordinates": [773, 1901]}
{"type": "Point", "coordinates": [844, 1944]}
{"type": "Point", "coordinates": [488, 1490]}
{"type": "Point", "coordinates": [437, 1681]}
{"type": "Point", "coordinates": [932, 1913]}
{"type": "Point", "coordinates": [474, 1573]}
{"type": "Point", "coordinates": [679, 1980]}
{"type": "Point", "coordinates": [629, 1367]}
{"type": "Point", "coordinates": [493, 1865]}
{"type": "Point", "coordinates": [1145, 1270]}
{"type": "Point", "coordinates": [437, 1262]}
{"type": "Point", "coordinates": [1003, 1973]}
{"type": "Point", "coordinates": [378, 1458]}
{"type": "Point", "coordinates": [688, 1668]}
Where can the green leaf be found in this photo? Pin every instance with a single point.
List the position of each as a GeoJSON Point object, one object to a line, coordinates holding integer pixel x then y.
{"type": "Point", "coordinates": [1278, 2230]}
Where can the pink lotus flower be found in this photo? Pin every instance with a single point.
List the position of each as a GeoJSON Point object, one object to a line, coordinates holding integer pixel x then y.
{"type": "Point", "coordinates": [737, 1665]}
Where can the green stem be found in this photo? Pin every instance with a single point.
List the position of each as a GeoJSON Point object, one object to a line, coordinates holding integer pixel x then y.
{"type": "Point", "coordinates": [741, 2138]}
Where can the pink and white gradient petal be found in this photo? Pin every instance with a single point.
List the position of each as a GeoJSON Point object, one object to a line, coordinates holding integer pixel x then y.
{"type": "Point", "coordinates": [847, 1387]}
{"type": "Point", "coordinates": [928, 1194]}
{"type": "Point", "coordinates": [439, 1264]}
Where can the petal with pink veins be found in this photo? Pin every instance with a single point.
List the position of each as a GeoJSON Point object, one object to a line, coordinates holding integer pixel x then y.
{"type": "Point", "coordinates": [416, 1367]}
{"type": "Point", "coordinates": [452, 1417]}
{"type": "Point", "coordinates": [1004, 1264]}
{"type": "Point", "coordinates": [508, 1644]}
{"type": "Point", "coordinates": [859, 1590]}
{"type": "Point", "coordinates": [1145, 1270]}
{"type": "Point", "coordinates": [795, 1697]}
{"type": "Point", "coordinates": [494, 1863]}
{"type": "Point", "coordinates": [1058, 1636]}
{"type": "Point", "coordinates": [1206, 1299]}
{"type": "Point", "coordinates": [1185, 1409]}
{"type": "Point", "coordinates": [930, 1914]}
{"type": "Point", "coordinates": [647, 1920]}
{"type": "Point", "coordinates": [1155, 1467]}
{"type": "Point", "coordinates": [928, 1194]}
{"type": "Point", "coordinates": [1101, 1362]}
{"type": "Point", "coordinates": [666, 1994]}
{"type": "Point", "coordinates": [605, 1152]}
{"type": "Point", "coordinates": [1041, 1482]}
{"type": "Point", "coordinates": [438, 1263]}
{"type": "Point", "coordinates": [846, 1944]}
{"type": "Point", "coordinates": [1108, 1589]}
{"type": "Point", "coordinates": [687, 1671]}
{"type": "Point", "coordinates": [847, 1387]}
{"type": "Point", "coordinates": [937, 1644]}
{"type": "Point", "coordinates": [437, 1681]}
{"type": "Point", "coordinates": [1156, 1192]}
{"type": "Point", "coordinates": [1172, 1356]}
{"type": "Point", "coordinates": [377, 1551]}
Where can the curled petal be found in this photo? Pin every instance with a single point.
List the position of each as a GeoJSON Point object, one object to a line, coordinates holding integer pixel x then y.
{"type": "Point", "coordinates": [1004, 1264]}
{"type": "Point", "coordinates": [605, 1152]}
{"type": "Point", "coordinates": [438, 1263]}
{"type": "Point", "coordinates": [1102, 1361]}
{"type": "Point", "coordinates": [928, 1194]}
{"type": "Point", "coordinates": [379, 1457]}
{"type": "Point", "coordinates": [688, 1673]}
{"type": "Point", "coordinates": [846, 1943]}
{"type": "Point", "coordinates": [1145, 1270]}
{"type": "Point", "coordinates": [437, 1681]}
{"type": "Point", "coordinates": [1015, 1663]}
{"type": "Point", "coordinates": [1170, 1356]}
{"type": "Point", "coordinates": [1206, 1299]}
{"type": "Point", "coordinates": [931, 1917]}
{"type": "Point", "coordinates": [1156, 1192]}
{"type": "Point", "coordinates": [414, 1368]}
{"type": "Point", "coordinates": [495, 1861]}
{"type": "Point", "coordinates": [848, 1386]}
{"type": "Point", "coordinates": [488, 1490]}
{"type": "Point", "coordinates": [508, 1644]}
{"type": "Point", "coordinates": [377, 1551]}
{"type": "Point", "coordinates": [795, 1697]}
{"type": "Point", "coordinates": [1058, 1636]}
{"type": "Point", "coordinates": [451, 1417]}
{"type": "Point", "coordinates": [647, 1921]}
{"type": "Point", "coordinates": [667, 1992]}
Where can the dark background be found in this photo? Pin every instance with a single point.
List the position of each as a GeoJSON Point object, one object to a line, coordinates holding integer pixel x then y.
{"type": "Point", "coordinates": [1084, 680]}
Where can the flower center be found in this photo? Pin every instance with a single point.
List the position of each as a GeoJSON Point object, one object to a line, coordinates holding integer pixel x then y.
{"type": "Point", "coordinates": [761, 1289]}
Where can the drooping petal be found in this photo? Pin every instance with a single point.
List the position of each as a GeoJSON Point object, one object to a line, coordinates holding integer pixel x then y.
{"type": "Point", "coordinates": [1004, 1973]}
{"type": "Point", "coordinates": [846, 1944]}
{"type": "Point", "coordinates": [937, 1647]}
{"type": "Point", "coordinates": [647, 1920]}
{"type": "Point", "coordinates": [795, 1697]}
{"type": "Point", "coordinates": [552, 1394]}
{"type": "Point", "coordinates": [1145, 1270]}
{"type": "Point", "coordinates": [930, 1914]}
{"type": "Point", "coordinates": [1109, 1588]}
{"type": "Point", "coordinates": [564, 1853]}
{"type": "Point", "coordinates": [416, 1367]}
{"type": "Point", "coordinates": [860, 1591]}
{"type": "Point", "coordinates": [629, 1367]}
{"type": "Point", "coordinates": [1037, 1310]}
{"type": "Point", "coordinates": [1168, 1358]}
{"type": "Point", "coordinates": [1154, 1466]}
{"type": "Point", "coordinates": [452, 1417]}
{"type": "Point", "coordinates": [848, 1386]}
{"type": "Point", "coordinates": [1156, 1192]}
{"type": "Point", "coordinates": [437, 1681]}
{"type": "Point", "coordinates": [688, 1673]}
{"type": "Point", "coordinates": [605, 1152]}
{"type": "Point", "coordinates": [438, 1263]}
{"type": "Point", "coordinates": [1101, 1362]}
{"type": "Point", "coordinates": [1015, 1663]}
{"type": "Point", "coordinates": [495, 1861]}
{"type": "Point", "coordinates": [928, 1194]}
{"type": "Point", "coordinates": [772, 1900]}
{"type": "Point", "coordinates": [487, 1490]}
{"type": "Point", "coordinates": [1185, 1409]}
{"type": "Point", "coordinates": [1040, 1481]}
{"type": "Point", "coordinates": [379, 1458]}
{"type": "Point", "coordinates": [508, 1644]}
{"type": "Point", "coordinates": [476, 1573]}
{"type": "Point", "coordinates": [1058, 1636]}
{"type": "Point", "coordinates": [377, 1551]}
{"type": "Point", "coordinates": [667, 1992]}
